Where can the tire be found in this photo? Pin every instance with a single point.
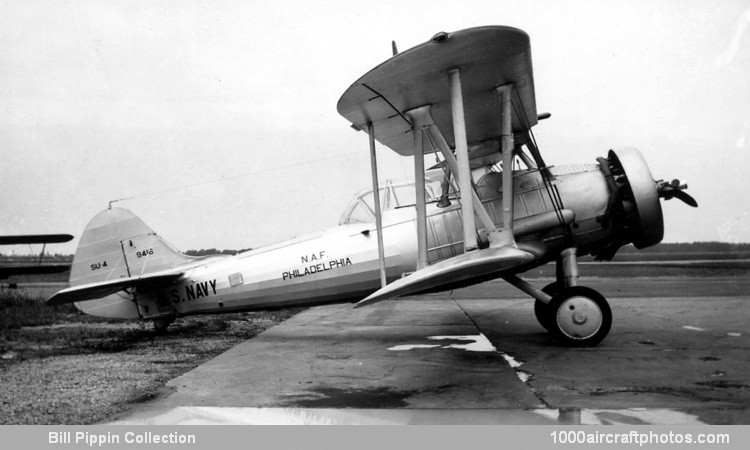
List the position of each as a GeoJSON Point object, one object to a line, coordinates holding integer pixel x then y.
{"type": "Point", "coordinates": [542, 310]}
{"type": "Point", "coordinates": [580, 317]}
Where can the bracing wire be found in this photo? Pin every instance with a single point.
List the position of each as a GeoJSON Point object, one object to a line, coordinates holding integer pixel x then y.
{"type": "Point", "coordinates": [223, 179]}
{"type": "Point", "coordinates": [444, 167]}
{"type": "Point", "coordinates": [552, 191]}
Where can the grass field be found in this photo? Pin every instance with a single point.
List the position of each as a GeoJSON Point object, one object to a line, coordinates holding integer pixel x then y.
{"type": "Point", "coordinates": [85, 370]}
{"type": "Point", "coordinates": [29, 328]}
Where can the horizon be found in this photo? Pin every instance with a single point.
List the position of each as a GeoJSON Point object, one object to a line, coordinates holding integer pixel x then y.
{"type": "Point", "coordinates": [203, 251]}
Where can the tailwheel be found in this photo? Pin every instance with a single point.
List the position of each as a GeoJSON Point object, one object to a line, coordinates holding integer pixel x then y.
{"type": "Point", "coordinates": [579, 317]}
{"type": "Point", "coordinates": [542, 310]}
{"type": "Point", "coordinates": [161, 324]}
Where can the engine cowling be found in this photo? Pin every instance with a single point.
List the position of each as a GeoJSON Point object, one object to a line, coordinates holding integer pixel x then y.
{"type": "Point", "coordinates": [644, 222]}
{"type": "Point", "coordinates": [634, 208]}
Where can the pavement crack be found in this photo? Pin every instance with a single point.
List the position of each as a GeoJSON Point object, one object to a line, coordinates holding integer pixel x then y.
{"type": "Point", "coordinates": [514, 363]}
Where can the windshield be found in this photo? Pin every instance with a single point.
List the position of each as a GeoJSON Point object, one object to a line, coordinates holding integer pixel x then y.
{"type": "Point", "coordinates": [392, 196]}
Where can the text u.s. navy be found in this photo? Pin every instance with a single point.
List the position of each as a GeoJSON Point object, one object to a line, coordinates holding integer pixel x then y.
{"type": "Point", "coordinates": [78, 438]}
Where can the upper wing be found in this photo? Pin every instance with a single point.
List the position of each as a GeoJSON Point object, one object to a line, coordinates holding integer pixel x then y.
{"type": "Point", "coordinates": [35, 239]}
{"type": "Point", "coordinates": [488, 56]}
{"type": "Point", "coordinates": [98, 290]}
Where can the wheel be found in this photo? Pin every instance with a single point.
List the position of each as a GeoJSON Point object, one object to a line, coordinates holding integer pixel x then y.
{"type": "Point", "coordinates": [580, 317]}
{"type": "Point", "coordinates": [542, 310]}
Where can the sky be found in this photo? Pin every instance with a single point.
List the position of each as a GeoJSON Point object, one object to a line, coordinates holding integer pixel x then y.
{"type": "Point", "coordinates": [216, 121]}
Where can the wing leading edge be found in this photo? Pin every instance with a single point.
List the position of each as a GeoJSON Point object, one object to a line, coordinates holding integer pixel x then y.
{"type": "Point", "coordinates": [456, 269]}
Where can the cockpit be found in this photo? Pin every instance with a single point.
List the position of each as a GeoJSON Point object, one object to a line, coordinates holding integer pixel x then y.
{"type": "Point", "coordinates": [402, 194]}
{"type": "Point", "coordinates": [392, 196]}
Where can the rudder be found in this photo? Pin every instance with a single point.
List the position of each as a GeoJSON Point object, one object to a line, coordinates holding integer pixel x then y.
{"type": "Point", "coordinates": [117, 244]}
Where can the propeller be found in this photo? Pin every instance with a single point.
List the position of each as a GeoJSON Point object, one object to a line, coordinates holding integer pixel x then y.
{"type": "Point", "coordinates": [673, 189]}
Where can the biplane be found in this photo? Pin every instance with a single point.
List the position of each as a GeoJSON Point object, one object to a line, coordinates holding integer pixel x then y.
{"type": "Point", "coordinates": [10, 269]}
{"type": "Point", "coordinates": [489, 207]}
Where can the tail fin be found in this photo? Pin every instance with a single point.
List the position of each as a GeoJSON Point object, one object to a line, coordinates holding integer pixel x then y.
{"type": "Point", "coordinates": [117, 251]}
{"type": "Point", "coordinates": [117, 244]}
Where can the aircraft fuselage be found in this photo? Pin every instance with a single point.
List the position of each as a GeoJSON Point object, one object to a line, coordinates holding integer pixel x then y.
{"type": "Point", "coordinates": [341, 264]}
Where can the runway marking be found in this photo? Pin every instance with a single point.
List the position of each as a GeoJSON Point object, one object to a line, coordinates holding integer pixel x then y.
{"type": "Point", "coordinates": [479, 343]}
{"type": "Point", "coordinates": [511, 360]}
{"type": "Point", "coordinates": [734, 334]}
{"type": "Point", "coordinates": [401, 348]}
{"type": "Point", "coordinates": [525, 377]}
{"type": "Point", "coordinates": [514, 364]}
{"type": "Point", "coordinates": [688, 327]}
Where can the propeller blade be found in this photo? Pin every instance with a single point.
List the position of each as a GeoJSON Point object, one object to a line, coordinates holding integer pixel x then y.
{"type": "Point", "coordinates": [685, 197]}
{"type": "Point", "coordinates": [673, 189]}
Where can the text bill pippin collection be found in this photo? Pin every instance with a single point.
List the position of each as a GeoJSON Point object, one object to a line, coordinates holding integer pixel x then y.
{"type": "Point", "coordinates": [79, 438]}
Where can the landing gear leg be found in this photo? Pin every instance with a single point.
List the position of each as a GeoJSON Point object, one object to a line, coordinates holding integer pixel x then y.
{"type": "Point", "coordinates": [576, 316]}
{"type": "Point", "coordinates": [566, 264]}
{"type": "Point", "coordinates": [567, 267]}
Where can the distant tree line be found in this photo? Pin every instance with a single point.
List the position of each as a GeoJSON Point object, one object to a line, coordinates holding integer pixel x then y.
{"type": "Point", "coordinates": [691, 247]}
{"type": "Point", "coordinates": [35, 257]}
{"type": "Point", "coordinates": [681, 247]}
{"type": "Point", "coordinates": [213, 251]}
{"type": "Point", "coordinates": [69, 258]}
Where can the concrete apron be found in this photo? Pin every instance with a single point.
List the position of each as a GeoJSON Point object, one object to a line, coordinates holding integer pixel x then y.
{"type": "Point", "coordinates": [425, 360]}
{"type": "Point", "coordinates": [401, 361]}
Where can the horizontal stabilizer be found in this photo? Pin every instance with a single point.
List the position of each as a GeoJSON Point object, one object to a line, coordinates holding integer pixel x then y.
{"type": "Point", "coordinates": [453, 270]}
{"type": "Point", "coordinates": [94, 291]}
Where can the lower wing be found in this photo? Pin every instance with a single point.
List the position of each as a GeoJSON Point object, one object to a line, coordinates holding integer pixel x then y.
{"type": "Point", "coordinates": [456, 269]}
